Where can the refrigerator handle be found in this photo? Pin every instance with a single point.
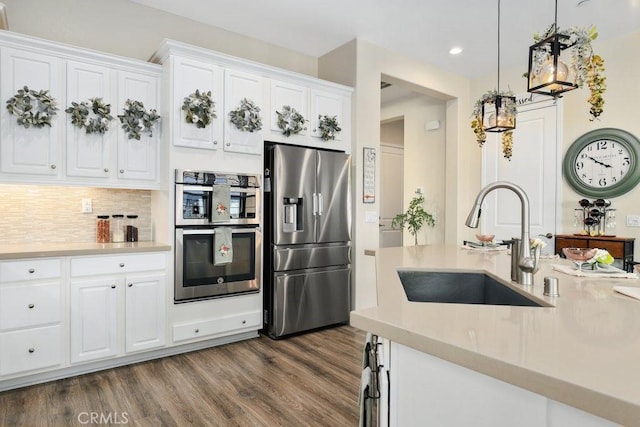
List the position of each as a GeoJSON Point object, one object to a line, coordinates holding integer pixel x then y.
{"type": "Point", "coordinates": [320, 203]}
{"type": "Point", "coordinates": [314, 203]}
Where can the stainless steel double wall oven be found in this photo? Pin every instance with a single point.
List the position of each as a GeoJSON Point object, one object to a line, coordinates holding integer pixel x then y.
{"type": "Point", "coordinates": [197, 276]}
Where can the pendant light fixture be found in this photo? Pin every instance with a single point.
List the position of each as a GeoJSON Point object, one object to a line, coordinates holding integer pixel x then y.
{"type": "Point", "coordinates": [548, 59]}
{"type": "Point", "coordinates": [498, 112]}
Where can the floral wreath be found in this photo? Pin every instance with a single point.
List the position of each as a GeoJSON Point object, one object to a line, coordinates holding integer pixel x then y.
{"type": "Point", "coordinates": [246, 117]}
{"type": "Point", "coordinates": [290, 121]}
{"type": "Point", "coordinates": [200, 108]}
{"type": "Point", "coordinates": [328, 126]}
{"type": "Point", "coordinates": [136, 119]}
{"type": "Point", "coordinates": [33, 108]}
{"type": "Point", "coordinates": [477, 125]}
{"type": "Point", "coordinates": [98, 123]}
{"type": "Point", "coordinates": [587, 66]}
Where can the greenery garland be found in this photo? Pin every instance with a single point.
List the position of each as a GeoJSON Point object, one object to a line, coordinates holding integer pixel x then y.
{"type": "Point", "coordinates": [33, 108]}
{"type": "Point", "coordinates": [290, 121]}
{"type": "Point", "coordinates": [328, 126]}
{"type": "Point", "coordinates": [246, 117]}
{"type": "Point", "coordinates": [98, 123]}
{"type": "Point", "coordinates": [200, 108]}
{"type": "Point", "coordinates": [136, 119]}
{"type": "Point", "coordinates": [586, 65]}
{"type": "Point", "coordinates": [477, 125]}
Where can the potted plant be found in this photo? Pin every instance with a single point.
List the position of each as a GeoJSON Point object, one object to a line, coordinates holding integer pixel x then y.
{"type": "Point", "coordinates": [414, 218]}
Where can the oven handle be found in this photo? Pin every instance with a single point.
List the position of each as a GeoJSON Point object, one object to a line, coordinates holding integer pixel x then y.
{"type": "Point", "coordinates": [232, 189]}
{"type": "Point", "coordinates": [213, 231]}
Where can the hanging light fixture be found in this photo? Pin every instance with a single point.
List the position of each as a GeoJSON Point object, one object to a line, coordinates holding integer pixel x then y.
{"type": "Point", "coordinates": [548, 58]}
{"type": "Point", "coordinates": [498, 112]}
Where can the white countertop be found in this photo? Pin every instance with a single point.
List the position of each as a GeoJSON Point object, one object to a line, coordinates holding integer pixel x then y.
{"type": "Point", "coordinates": [42, 250]}
{"type": "Point", "coordinates": [584, 351]}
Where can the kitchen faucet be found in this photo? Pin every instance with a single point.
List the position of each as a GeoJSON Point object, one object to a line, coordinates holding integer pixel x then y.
{"type": "Point", "coordinates": [522, 265]}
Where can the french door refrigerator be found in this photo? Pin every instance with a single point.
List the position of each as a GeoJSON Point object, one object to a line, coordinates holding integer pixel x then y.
{"type": "Point", "coordinates": [307, 272]}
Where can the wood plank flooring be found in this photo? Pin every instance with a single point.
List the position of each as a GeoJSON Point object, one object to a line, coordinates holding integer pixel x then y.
{"type": "Point", "coordinates": [307, 380]}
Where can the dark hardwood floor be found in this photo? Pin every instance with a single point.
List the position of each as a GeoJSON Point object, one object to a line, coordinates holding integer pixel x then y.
{"type": "Point", "coordinates": [307, 380]}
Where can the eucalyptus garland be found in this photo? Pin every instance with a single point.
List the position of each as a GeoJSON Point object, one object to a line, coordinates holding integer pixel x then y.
{"type": "Point", "coordinates": [200, 108]}
{"type": "Point", "coordinates": [247, 116]}
{"type": "Point", "coordinates": [137, 120]}
{"type": "Point", "coordinates": [92, 115]}
{"type": "Point", "coordinates": [328, 126]}
{"type": "Point", "coordinates": [290, 121]}
{"type": "Point", "coordinates": [477, 125]}
{"type": "Point", "coordinates": [33, 108]}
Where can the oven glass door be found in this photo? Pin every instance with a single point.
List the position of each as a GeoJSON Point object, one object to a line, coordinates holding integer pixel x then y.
{"type": "Point", "coordinates": [243, 204]}
{"type": "Point", "coordinates": [196, 203]}
{"type": "Point", "coordinates": [198, 277]}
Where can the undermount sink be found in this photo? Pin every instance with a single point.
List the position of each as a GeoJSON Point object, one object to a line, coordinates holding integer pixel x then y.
{"type": "Point", "coordinates": [460, 288]}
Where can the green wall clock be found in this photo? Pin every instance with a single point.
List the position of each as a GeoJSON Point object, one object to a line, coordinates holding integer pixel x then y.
{"type": "Point", "coordinates": [603, 163]}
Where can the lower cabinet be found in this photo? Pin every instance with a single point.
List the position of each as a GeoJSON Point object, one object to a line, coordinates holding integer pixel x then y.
{"type": "Point", "coordinates": [119, 313]}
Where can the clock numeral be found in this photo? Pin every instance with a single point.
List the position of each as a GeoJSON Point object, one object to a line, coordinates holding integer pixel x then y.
{"type": "Point", "coordinates": [601, 145]}
{"type": "Point", "coordinates": [620, 151]}
{"type": "Point", "coordinates": [579, 165]}
{"type": "Point", "coordinates": [602, 182]}
{"type": "Point", "coordinates": [625, 161]}
{"type": "Point", "coordinates": [614, 179]}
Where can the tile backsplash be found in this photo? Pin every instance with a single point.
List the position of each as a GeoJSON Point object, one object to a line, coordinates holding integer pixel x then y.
{"type": "Point", "coordinates": [34, 213]}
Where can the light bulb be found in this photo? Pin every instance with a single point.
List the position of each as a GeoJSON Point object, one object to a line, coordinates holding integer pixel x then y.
{"type": "Point", "coordinates": [546, 74]}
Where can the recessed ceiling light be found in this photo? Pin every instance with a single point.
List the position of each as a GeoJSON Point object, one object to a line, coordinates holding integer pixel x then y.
{"type": "Point", "coordinates": [455, 50]}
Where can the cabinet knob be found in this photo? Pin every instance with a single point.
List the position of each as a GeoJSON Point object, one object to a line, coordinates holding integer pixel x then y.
{"type": "Point", "coordinates": [31, 305]}
{"type": "Point", "coordinates": [113, 286]}
{"type": "Point", "coordinates": [32, 350]}
{"type": "Point", "coordinates": [197, 331]}
{"type": "Point", "coordinates": [32, 270]}
{"type": "Point", "coordinates": [121, 170]}
{"type": "Point", "coordinates": [122, 264]}
{"type": "Point", "coordinates": [244, 322]}
{"type": "Point", "coordinates": [130, 285]}
{"type": "Point", "coordinates": [228, 144]}
{"type": "Point", "coordinates": [106, 169]}
{"type": "Point", "coordinates": [53, 166]}
{"type": "Point", "coordinates": [215, 142]}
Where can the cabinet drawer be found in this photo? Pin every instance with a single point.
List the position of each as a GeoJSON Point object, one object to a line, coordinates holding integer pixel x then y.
{"type": "Point", "coordinates": [29, 305]}
{"type": "Point", "coordinates": [30, 349]}
{"type": "Point", "coordinates": [114, 264]}
{"type": "Point", "coordinates": [616, 249]}
{"type": "Point", "coordinates": [220, 326]}
{"type": "Point", "coordinates": [30, 269]}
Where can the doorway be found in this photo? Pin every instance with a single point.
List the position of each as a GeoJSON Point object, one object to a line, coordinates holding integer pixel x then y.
{"type": "Point", "coordinates": [391, 183]}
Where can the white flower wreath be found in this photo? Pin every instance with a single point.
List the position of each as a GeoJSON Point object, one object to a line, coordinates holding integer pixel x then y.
{"type": "Point", "coordinates": [290, 121]}
{"type": "Point", "coordinates": [328, 126]}
{"type": "Point", "coordinates": [92, 115]}
{"type": "Point", "coordinates": [136, 119]}
{"type": "Point", "coordinates": [33, 108]}
{"type": "Point", "coordinates": [246, 117]}
{"type": "Point", "coordinates": [200, 108]}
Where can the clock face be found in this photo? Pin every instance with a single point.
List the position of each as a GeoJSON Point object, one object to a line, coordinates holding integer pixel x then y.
{"type": "Point", "coordinates": [603, 163]}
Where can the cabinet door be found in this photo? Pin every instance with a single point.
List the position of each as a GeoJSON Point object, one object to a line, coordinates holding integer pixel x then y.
{"type": "Point", "coordinates": [93, 319]}
{"type": "Point", "coordinates": [237, 86]}
{"type": "Point", "coordinates": [189, 76]}
{"type": "Point", "coordinates": [145, 312]}
{"type": "Point", "coordinates": [31, 151]}
{"type": "Point", "coordinates": [138, 159]}
{"type": "Point", "coordinates": [289, 94]}
{"type": "Point", "coordinates": [90, 155]}
{"type": "Point", "coordinates": [329, 104]}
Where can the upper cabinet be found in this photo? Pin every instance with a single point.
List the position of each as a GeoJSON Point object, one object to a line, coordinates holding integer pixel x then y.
{"type": "Point", "coordinates": [243, 95]}
{"type": "Point", "coordinates": [64, 152]}
{"type": "Point", "coordinates": [294, 96]}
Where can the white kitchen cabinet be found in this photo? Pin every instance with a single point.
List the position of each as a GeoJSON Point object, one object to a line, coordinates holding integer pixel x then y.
{"type": "Point", "coordinates": [237, 86]}
{"type": "Point", "coordinates": [329, 104]}
{"type": "Point", "coordinates": [295, 96]}
{"type": "Point", "coordinates": [30, 315]}
{"type": "Point", "coordinates": [187, 76]}
{"type": "Point", "coordinates": [31, 152]}
{"type": "Point", "coordinates": [117, 305]}
{"type": "Point", "coordinates": [90, 155]}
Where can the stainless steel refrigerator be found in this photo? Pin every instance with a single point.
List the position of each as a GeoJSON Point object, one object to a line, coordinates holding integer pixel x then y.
{"type": "Point", "coordinates": [307, 273]}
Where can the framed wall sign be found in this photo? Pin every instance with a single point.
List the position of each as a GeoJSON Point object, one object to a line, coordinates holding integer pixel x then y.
{"type": "Point", "coordinates": [369, 175]}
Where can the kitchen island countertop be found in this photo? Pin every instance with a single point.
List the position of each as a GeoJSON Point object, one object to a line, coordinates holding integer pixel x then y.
{"type": "Point", "coordinates": [43, 250]}
{"type": "Point", "coordinates": [583, 351]}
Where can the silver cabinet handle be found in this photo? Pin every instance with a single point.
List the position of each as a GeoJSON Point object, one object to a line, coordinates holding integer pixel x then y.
{"type": "Point", "coordinates": [197, 331]}
{"type": "Point", "coordinates": [314, 203]}
{"type": "Point", "coordinates": [32, 270]}
{"type": "Point", "coordinates": [228, 144]}
{"type": "Point", "coordinates": [130, 285]}
{"type": "Point", "coordinates": [320, 203]}
{"type": "Point", "coordinates": [244, 322]}
{"type": "Point", "coordinates": [53, 166]}
{"type": "Point", "coordinates": [215, 142]}
{"type": "Point", "coordinates": [31, 305]}
{"type": "Point", "coordinates": [122, 264]}
{"type": "Point", "coordinates": [32, 350]}
{"type": "Point", "coordinates": [106, 169]}
{"type": "Point", "coordinates": [121, 170]}
{"type": "Point", "coordinates": [113, 286]}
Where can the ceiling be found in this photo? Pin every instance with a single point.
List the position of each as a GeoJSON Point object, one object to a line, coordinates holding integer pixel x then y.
{"type": "Point", "coordinates": [423, 29]}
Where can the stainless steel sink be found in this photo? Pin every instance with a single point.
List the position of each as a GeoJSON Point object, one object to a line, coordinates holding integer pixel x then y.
{"type": "Point", "coordinates": [461, 288]}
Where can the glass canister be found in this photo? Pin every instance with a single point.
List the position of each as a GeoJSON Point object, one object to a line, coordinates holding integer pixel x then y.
{"type": "Point", "coordinates": [131, 228]}
{"type": "Point", "coordinates": [102, 229]}
{"type": "Point", "coordinates": [117, 231]}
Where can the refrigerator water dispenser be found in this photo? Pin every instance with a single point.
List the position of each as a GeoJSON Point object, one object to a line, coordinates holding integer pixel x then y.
{"type": "Point", "coordinates": [292, 220]}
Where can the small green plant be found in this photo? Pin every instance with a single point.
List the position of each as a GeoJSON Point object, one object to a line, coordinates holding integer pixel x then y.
{"type": "Point", "coordinates": [414, 218]}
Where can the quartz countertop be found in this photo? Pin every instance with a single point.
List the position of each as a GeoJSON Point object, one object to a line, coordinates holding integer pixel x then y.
{"type": "Point", "coordinates": [583, 350]}
{"type": "Point", "coordinates": [42, 250]}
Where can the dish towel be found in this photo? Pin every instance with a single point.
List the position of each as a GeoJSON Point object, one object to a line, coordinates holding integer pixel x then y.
{"type": "Point", "coordinates": [628, 291]}
{"type": "Point", "coordinates": [223, 246]}
{"type": "Point", "coordinates": [220, 202]}
{"type": "Point", "coordinates": [365, 402]}
{"type": "Point", "coordinates": [611, 272]}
